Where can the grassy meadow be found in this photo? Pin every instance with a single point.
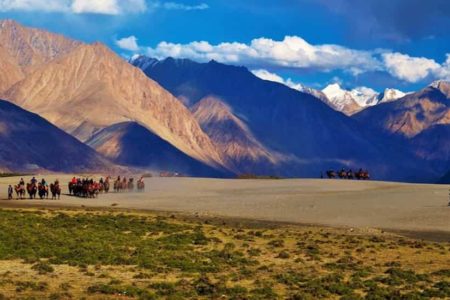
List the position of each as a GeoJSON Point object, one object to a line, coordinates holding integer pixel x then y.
{"type": "Point", "coordinates": [69, 254]}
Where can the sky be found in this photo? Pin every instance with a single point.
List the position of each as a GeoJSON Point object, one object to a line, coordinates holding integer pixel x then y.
{"type": "Point", "coordinates": [378, 44]}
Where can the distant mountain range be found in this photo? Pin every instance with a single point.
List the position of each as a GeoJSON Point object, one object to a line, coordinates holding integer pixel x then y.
{"type": "Point", "coordinates": [422, 119]}
{"type": "Point", "coordinates": [356, 100]}
{"type": "Point", "coordinates": [301, 133]}
{"type": "Point", "coordinates": [207, 119]}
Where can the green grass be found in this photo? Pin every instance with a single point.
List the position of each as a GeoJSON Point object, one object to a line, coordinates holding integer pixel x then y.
{"type": "Point", "coordinates": [131, 256]}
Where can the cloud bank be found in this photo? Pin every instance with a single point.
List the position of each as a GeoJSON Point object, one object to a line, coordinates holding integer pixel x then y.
{"type": "Point", "coordinates": [293, 52]}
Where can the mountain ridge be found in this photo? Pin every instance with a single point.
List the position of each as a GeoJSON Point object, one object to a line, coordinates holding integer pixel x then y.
{"type": "Point", "coordinates": [294, 124]}
{"type": "Point", "coordinates": [92, 88]}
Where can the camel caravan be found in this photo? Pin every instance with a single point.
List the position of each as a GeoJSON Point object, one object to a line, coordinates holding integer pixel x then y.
{"type": "Point", "coordinates": [88, 188]}
{"type": "Point", "coordinates": [85, 188]}
{"type": "Point", "coordinates": [348, 174]}
{"type": "Point", "coordinates": [34, 189]}
{"type": "Point", "coordinates": [124, 185]}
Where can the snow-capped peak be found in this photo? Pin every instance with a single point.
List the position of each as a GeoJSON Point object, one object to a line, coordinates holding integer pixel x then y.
{"type": "Point", "coordinates": [364, 96]}
{"type": "Point", "coordinates": [390, 95]}
{"type": "Point", "coordinates": [340, 99]}
{"type": "Point", "coordinates": [334, 90]}
{"type": "Point", "coordinates": [437, 83]}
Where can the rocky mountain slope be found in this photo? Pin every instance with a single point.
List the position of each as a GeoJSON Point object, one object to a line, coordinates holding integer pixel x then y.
{"type": "Point", "coordinates": [31, 47]}
{"type": "Point", "coordinates": [30, 143]}
{"type": "Point", "coordinates": [91, 88]}
{"type": "Point", "coordinates": [287, 122]}
{"type": "Point", "coordinates": [411, 114]}
{"type": "Point", "coordinates": [234, 138]}
{"type": "Point", "coordinates": [10, 72]}
{"type": "Point", "coordinates": [131, 144]}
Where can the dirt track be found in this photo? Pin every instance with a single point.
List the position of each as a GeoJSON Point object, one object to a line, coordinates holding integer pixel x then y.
{"type": "Point", "coordinates": [383, 205]}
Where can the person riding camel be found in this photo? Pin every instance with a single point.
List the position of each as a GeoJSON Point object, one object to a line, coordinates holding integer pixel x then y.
{"type": "Point", "coordinates": [101, 180]}
{"type": "Point", "coordinates": [43, 182]}
{"type": "Point", "coordinates": [56, 182]}
{"type": "Point", "coordinates": [21, 182]}
{"type": "Point", "coordinates": [33, 180]}
{"type": "Point", "coordinates": [73, 181]}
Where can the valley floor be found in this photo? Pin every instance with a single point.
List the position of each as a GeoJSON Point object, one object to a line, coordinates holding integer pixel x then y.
{"type": "Point", "coordinates": [421, 210]}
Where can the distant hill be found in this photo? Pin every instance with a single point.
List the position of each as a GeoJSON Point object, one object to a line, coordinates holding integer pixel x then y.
{"type": "Point", "coordinates": [30, 143]}
{"type": "Point", "coordinates": [131, 144]}
{"type": "Point", "coordinates": [305, 133]}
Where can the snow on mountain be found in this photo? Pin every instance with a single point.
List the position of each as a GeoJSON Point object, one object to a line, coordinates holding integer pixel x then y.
{"type": "Point", "coordinates": [364, 96]}
{"type": "Point", "coordinates": [341, 100]}
{"type": "Point", "coordinates": [359, 98]}
{"type": "Point", "coordinates": [390, 95]}
{"type": "Point", "coordinates": [346, 101]}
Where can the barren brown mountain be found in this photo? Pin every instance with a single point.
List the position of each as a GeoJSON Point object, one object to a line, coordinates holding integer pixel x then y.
{"type": "Point", "coordinates": [234, 137]}
{"type": "Point", "coordinates": [131, 144]}
{"type": "Point", "coordinates": [10, 72]}
{"type": "Point", "coordinates": [30, 47]}
{"type": "Point", "coordinates": [92, 88]}
{"type": "Point", "coordinates": [413, 113]}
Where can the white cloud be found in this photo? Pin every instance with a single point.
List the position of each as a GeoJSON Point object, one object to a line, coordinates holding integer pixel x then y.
{"type": "Point", "coordinates": [266, 75]}
{"type": "Point", "coordinates": [128, 43]}
{"type": "Point", "coordinates": [444, 71]}
{"type": "Point", "coordinates": [411, 69]}
{"type": "Point", "coordinates": [35, 5]}
{"type": "Point", "coordinates": [108, 7]}
{"type": "Point", "coordinates": [181, 6]}
{"type": "Point", "coordinates": [291, 52]}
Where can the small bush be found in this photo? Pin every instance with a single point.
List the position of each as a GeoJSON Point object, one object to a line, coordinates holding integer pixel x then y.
{"type": "Point", "coordinates": [43, 267]}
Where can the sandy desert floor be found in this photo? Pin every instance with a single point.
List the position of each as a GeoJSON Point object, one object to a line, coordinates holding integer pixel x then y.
{"type": "Point", "coordinates": [342, 203]}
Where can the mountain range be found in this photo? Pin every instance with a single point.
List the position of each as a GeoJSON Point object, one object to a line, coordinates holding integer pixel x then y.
{"type": "Point", "coordinates": [356, 100]}
{"type": "Point", "coordinates": [303, 134]}
{"type": "Point", "coordinates": [211, 119]}
{"type": "Point", "coordinates": [421, 119]}
{"type": "Point", "coordinates": [89, 88]}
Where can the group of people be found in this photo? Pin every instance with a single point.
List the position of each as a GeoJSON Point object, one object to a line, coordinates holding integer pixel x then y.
{"type": "Point", "coordinates": [88, 187]}
{"type": "Point", "coordinates": [35, 187]}
{"type": "Point", "coordinates": [348, 174]}
{"type": "Point", "coordinates": [80, 187]}
{"type": "Point", "coordinates": [122, 184]}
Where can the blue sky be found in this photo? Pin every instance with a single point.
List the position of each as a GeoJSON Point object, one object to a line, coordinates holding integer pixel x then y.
{"type": "Point", "coordinates": [374, 43]}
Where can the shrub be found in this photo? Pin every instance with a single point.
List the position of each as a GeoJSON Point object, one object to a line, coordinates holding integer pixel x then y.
{"type": "Point", "coordinates": [43, 267]}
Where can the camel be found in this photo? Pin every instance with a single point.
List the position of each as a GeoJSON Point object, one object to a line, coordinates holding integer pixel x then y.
{"type": "Point", "coordinates": [56, 190]}
{"type": "Point", "coordinates": [32, 190]}
{"type": "Point", "coordinates": [20, 191]}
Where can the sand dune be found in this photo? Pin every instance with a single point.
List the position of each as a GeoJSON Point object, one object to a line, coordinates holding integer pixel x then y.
{"type": "Point", "coordinates": [394, 206]}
